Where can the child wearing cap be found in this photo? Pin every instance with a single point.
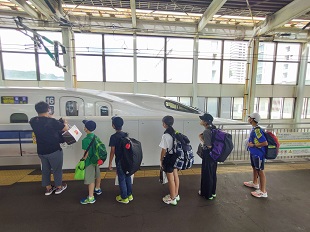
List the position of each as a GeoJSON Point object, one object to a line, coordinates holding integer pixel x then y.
{"type": "Point", "coordinates": [208, 166]}
{"type": "Point", "coordinates": [257, 147]}
{"type": "Point", "coordinates": [124, 181]}
{"type": "Point", "coordinates": [92, 171]}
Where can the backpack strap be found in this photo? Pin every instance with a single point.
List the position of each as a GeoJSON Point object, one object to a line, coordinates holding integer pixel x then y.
{"type": "Point", "coordinates": [173, 141]}
{"type": "Point", "coordinates": [89, 145]}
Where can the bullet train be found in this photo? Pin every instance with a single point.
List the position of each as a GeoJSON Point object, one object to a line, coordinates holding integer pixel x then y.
{"type": "Point", "coordinates": [142, 115]}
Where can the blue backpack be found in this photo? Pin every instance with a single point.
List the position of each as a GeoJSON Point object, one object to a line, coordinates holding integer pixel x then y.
{"type": "Point", "coordinates": [183, 151]}
{"type": "Point", "coordinates": [222, 145]}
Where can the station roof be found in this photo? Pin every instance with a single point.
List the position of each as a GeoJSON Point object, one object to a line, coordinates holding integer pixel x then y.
{"type": "Point", "coordinates": [209, 18]}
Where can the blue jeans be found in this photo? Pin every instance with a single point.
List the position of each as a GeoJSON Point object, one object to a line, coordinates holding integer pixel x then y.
{"type": "Point", "coordinates": [124, 182]}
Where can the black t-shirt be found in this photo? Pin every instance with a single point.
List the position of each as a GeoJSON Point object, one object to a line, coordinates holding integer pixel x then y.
{"type": "Point", "coordinates": [115, 140]}
{"type": "Point", "coordinates": [47, 131]}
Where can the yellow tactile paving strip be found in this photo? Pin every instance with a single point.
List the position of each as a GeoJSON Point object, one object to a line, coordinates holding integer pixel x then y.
{"type": "Point", "coordinates": [9, 177]}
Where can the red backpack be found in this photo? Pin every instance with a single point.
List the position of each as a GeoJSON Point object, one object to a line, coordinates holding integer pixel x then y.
{"type": "Point", "coordinates": [272, 150]}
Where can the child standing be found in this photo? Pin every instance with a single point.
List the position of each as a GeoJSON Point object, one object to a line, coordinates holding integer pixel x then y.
{"type": "Point", "coordinates": [92, 171]}
{"type": "Point", "coordinates": [167, 160]}
{"type": "Point", "coordinates": [208, 166]}
{"type": "Point", "coordinates": [124, 181]}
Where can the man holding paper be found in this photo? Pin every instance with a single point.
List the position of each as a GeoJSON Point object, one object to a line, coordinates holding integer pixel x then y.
{"type": "Point", "coordinates": [48, 137]}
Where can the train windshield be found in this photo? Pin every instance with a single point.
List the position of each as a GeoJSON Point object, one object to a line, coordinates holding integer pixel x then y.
{"type": "Point", "coordinates": [171, 105]}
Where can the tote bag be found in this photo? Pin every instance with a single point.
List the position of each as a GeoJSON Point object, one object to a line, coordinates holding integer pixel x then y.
{"type": "Point", "coordinates": [79, 173]}
{"type": "Point", "coordinates": [72, 135]}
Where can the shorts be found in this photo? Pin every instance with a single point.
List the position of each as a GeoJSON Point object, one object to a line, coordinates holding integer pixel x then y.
{"type": "Point", "coordinates": [257, 162]}
{"type": "Point", "coordinates": [168, 163]}
{"type": "Point", "coordinates": [92, 172]}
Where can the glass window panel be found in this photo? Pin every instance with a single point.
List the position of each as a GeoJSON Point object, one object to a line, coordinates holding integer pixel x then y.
{"type": "Point", "coordinates": [308, 74]}
{"type": "Point", "coordinates": [48, 70]}
{"type": "Point", "coordinates": [276, 110]}
{"type": "Point", "coordinates": [212, 106]}
{"type": "Point", "coordinates": [264, 72]}
{"type": "Point", "coordinates": [308, 109]}
{"type": "Point", "coordinates": [150, 70]}
{"type": "Point", "coordinates": [263, 107]}
{"type": "Point", "coordinates": [119, 69]}
{"type": "Point", "coordinates": [226, 107]}
{"type": "Point", "coordinates": [118, 45]}
{"type": "Point", "coordinates": [201, 103]}
{"type": "Point", "coordinates": [150, 46]}
{"type": "Point", "coordinates": [235, 50]}
{"type": "Point", "coordinates": [186, 101]}
{"type": "Point", "coordinates": [51, 36]}
{"type": "Point", "coordinates": [288, 52]}
{"type": "Point", "coordinates": [88, 43]}
{"type": "Point", "coordinates": [178, 47]}
{"type": "Point", "coordinates": [304, 108]}
{"type": "Point", "coordinates": [13, 40]}
{"type": "Point", "coordinates": [237, 108]}
{"type": "Point", "coordinates": [288, 107]}
{"type": "Point", "coordinates": [209, 71]}
{"type": "Point", "coordinates": [266, 51]}
{"type": "Point", "coordinates": [19, 66]}
{"type": "Point", "coordinates": [210, 49]}
{"type": "Point", "coordinates": [89, 68]}
{"type": "Point", "coordinates": [234, 72]}
{"type": "Point", "coordinates": [179, 71]}
{"type": "Point", "coordinates": [173, 98]}
{"type": "Point", "coordinates": [256, 104]}
{"type": "Point", "coordinates": [286, 73]}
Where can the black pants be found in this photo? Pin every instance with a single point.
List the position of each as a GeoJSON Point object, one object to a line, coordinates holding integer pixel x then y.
{"type": "Point", "coordinates": [208, 175]}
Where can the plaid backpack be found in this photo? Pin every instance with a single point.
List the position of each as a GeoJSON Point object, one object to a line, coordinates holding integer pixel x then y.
{"type": "Point", "coordinates": [183, 151]}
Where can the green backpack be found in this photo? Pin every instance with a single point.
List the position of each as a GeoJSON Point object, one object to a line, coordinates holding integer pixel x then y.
{"type": "Point", "coordinates": [99, 152]}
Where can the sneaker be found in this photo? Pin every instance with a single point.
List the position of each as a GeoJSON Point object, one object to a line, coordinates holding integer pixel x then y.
{"type": "Point", "coordinates": [130, 197]}
{"type": "Point", "coordinates": [98, 191]}
{"type": "Point", "coordinates": [250, 184]}
{"type": "Point", "coordinates": [210, 198]}
{"type": "Point", "coordinates": [121, 200]}
{"type": "Point", "coordinates": [50, 191]}
{"type": "Point", "coordinates": [199, 192]}
{"type": "Point", "coordinates": [214, 195]}
{"type": "Point", "coordinates": [88, 200]}
{"type": "Point", "coordinates": [170, 201]}
{"type": "Point", "coordinates": [61, 189]}
{"type": "Point", "coordinates": [259, 193]}
{"type": "Point", "coordinates": [178, 198]}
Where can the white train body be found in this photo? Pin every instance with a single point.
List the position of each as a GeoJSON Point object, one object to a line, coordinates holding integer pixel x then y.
{"type": "Point", "coordinates": [142, 115]}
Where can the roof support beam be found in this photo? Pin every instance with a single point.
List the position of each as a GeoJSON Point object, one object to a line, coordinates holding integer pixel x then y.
{"type": "Point", "coordinates": [133, 13]}
{"type": "Point", "coordinates": [209, 13]}
{"type": "Point", "coordinates": [49, 8]}
{"type": "Point", "coordinates": [284, 15]}
{"type": "Point", "coordinates": [28, 9]}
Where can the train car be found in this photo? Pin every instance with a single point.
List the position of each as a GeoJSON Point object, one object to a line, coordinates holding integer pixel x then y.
{"type": "Point", "coordinates": [142, 114]}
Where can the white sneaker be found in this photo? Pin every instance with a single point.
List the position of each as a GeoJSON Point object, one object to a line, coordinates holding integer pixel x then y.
{"type": "Point", "coordinates": [170, 201]}
{"type": "Point", "coordinates": [258, 193]}
{"type": "Point", "coordinates": [250, 184]}
{"type": "Point", "coordinates": [168, 196]}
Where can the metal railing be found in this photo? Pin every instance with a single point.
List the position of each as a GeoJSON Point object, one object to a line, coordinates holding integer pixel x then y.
{"type": "Point", "coordinates": [240, 152]}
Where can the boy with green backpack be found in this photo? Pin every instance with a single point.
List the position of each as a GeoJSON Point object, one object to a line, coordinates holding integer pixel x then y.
{"type": "Point", "coordinates": [95, 156]}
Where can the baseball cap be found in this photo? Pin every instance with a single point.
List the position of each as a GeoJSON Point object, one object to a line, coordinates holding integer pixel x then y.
{"type": "Point", "coordinates": [118, 122]}
{"type": "Point", "coordinates": [207, 118]}
{"type": "Point", "coordinates": [255, 116]}
{"type": "Point", "coordinates": [89, 124]}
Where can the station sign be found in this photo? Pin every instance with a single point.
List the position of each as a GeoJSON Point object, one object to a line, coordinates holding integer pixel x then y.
{"type": "Point", "coordinates": [294, 143]}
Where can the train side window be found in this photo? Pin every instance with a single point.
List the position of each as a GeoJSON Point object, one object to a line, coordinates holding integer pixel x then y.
{"type": "Point", "coordinates": [104, 111]}
{"type": "Point", "coordinates": [18, 118]}
{"type": "Point", "coordinates": [72, 108]}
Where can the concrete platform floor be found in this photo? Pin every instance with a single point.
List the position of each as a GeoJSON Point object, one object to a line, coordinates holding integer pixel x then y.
{"type": "Point", "coordinates": [23, 206]}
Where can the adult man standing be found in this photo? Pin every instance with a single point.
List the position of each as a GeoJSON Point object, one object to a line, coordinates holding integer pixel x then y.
{"type": "Point", "coordinates": [257, 147]}
{"type": "Point", "coordinates": [48, 136]}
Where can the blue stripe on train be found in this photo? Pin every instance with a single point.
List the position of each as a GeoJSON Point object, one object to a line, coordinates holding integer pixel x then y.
{"type": "Point", "coordinates": [14, 142]}
{"type": "Point", "coordinates": [15, 134]}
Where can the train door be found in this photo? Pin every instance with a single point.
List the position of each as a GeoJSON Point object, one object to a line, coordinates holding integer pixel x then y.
{"type": "Point", "coordinates": [71, 106]}
{"type": "Point", "coordinates": [103, 109]}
